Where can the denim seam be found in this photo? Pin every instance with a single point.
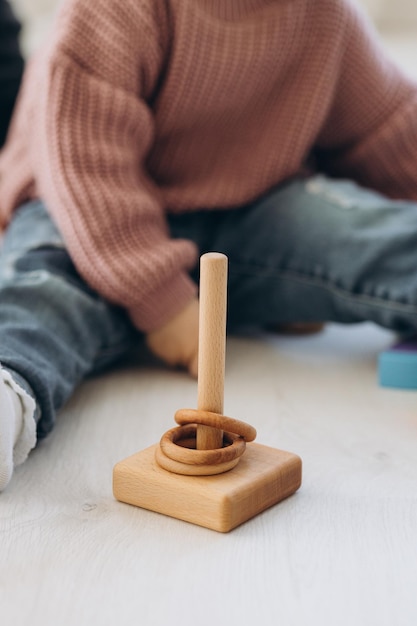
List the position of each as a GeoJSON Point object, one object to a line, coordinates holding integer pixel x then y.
{"type": "Point", "coordinates": [340, 292]}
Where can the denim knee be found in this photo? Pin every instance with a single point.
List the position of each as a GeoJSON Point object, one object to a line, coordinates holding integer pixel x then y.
{"type": "Point", "coordinates": [54, 329]}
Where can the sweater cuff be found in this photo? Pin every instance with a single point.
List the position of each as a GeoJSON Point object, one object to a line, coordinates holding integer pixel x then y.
{"type": "Point", "coordinates": [162, 306]}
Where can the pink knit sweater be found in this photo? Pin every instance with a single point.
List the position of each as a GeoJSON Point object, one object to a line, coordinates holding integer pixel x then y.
{"type": "Point", "coordinates": [141, 108]}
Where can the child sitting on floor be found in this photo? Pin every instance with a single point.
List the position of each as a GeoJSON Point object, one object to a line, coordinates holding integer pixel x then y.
{"type": "Point", "coordinates": [151, 131]}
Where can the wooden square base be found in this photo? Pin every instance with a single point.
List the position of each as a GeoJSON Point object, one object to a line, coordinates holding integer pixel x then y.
{"type": "Point", "coordinates": [263, 477]}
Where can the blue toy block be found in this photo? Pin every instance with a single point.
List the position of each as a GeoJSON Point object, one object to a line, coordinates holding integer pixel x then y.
{"type": "Point", "coordinates": [397, 367]}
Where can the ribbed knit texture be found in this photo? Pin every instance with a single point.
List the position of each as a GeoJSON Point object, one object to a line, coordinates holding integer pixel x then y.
{"type": "Point", "coordinates": [144, 107]}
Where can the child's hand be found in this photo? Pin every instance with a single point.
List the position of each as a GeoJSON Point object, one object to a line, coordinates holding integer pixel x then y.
{"type": "Point", "coordinates": [176, 342]}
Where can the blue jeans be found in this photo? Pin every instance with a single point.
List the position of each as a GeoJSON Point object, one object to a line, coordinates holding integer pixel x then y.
{"type": "Point", "coordinates": [311, 250]}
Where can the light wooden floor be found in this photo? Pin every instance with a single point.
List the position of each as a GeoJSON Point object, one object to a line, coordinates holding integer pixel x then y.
{"type": "Point", "coordinates": [341, 552]}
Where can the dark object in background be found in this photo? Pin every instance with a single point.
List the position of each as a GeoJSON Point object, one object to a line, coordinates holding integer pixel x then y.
{"type": "Point", "coordinates": [11, 65]}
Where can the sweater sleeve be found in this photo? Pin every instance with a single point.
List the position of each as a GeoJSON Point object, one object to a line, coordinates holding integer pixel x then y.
{"type": "Point", "coordinates": [370, 133]}
{"type": "Point", "coordinates": [95, 131]}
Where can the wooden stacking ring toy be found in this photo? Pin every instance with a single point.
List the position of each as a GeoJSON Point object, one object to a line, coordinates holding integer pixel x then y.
{"type": "Point", "coordinates": [207, 470]}
{"type": "Point", "coordinates": [183, 458]}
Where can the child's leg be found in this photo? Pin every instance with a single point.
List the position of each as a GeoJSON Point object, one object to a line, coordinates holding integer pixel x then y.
{"type": "Point", "coordinates": [318, 250]}
{"type": "Point", "coordinates": [54, 331]}
{"type": "Point", "coordinates": [325, 250]}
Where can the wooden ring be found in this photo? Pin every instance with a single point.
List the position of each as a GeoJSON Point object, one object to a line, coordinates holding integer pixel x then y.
{"type": "Point", "coordinates": [216, 420]}
{"type": "Point", "coordinates": [192, 470]}
{"type": "Point", "coordinates": [234, 448]}
{"type": "Point", "coordinates": [177, 451]}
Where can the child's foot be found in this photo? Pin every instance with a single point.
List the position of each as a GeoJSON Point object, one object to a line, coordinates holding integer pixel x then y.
{"type": "Point", "coordinates": [17, 426]}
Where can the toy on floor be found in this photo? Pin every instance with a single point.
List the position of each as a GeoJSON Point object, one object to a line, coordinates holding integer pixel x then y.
{"type": "Point", "coordinates": [397, 367]}
{"type": "Point", "coordinates": [207, 470]}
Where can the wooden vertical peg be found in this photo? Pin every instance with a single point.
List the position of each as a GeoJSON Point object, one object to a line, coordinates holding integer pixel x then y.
{"type": "Point", "coordinates": [212, 344]}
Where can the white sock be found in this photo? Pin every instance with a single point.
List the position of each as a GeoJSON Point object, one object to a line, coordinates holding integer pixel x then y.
{"type": "Point", "coordinates": [17, 426]}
